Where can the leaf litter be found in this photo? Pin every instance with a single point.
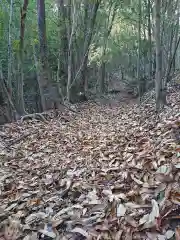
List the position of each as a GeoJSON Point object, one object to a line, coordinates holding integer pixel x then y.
{"type": "Point", "coordinates": [106, 173]}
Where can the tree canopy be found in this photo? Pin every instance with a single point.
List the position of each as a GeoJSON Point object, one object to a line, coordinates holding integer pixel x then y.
{"type": "Point", "coordinates": [52, 50]}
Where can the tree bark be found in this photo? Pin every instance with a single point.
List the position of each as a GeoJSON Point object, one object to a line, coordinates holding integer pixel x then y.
{"type": "Point", "coordinates": [171, 62]}
{"type": "Point", "coordinates": [139, 52]}
{"type": "Point", "coordinates": [87, 42]}
{"type": "Point", "coordinates": [70, 49]}
{"type": "Point", "coordinates": [109, 24]}
{"type": "Point", "coordinates": [11, 111]}
{"type": "Point", "coordinates": [149, 39]}
{"type": "Point", "coordinates": [160, 92]}
{"type": "Point", "coordinates": [49, 94]}
{"type": "Point", "coordinates": [10, 46]}
{"type": "Point", "coordinates": [176, 33]}
{"type": "Point", "coordinates": [63, 48]}
{"type": "Point", "coordinates": [84, 82]}
{"type": "Point", "coordinates": [20, 93]}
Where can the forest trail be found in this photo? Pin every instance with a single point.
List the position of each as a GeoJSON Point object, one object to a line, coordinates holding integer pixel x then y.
{"type": "Point", "coordinates": [109, 172]}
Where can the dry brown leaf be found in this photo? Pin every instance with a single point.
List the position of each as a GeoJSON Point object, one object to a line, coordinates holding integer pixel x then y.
{"type": "Point", "coordinates": [129, 234]}
{"type": "Point", "coordinates": [177, 233]}
{"type": "Point", "coordinates": [149, 220]}
{"type": "Point", "coordinates": [100, 170]}
{"type": "Point", "coordinates": [169, 234]}
{"type": "Point", "coordinates": [13, 230]}
{"type": "Point", "coordinates": [175, 197]}
{"type": "Point", "coordinates": [118, 235]}
{"type": "Point", "coordinates": [131, 221]}
{"type": "Point", "coordinates": [121, 210]}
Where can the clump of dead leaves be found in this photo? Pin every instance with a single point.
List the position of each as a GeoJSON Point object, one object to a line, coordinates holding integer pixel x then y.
{"type": "Point", "coordinates": [106, 173]}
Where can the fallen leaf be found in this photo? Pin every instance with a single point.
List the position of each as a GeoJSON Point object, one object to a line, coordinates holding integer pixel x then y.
{"type": "Point", "coordinates": [169, 234]}
{"type": "Point", "coordinates": [177, 233]}
{"type": "Point", "coordinates": [149, 220]}
{"type": "Point", "coordinates": [80, 231]}
{"type": "Point", "coordinates": [121, 210]}
{"type": "Point", "coordinates": [118, 235]}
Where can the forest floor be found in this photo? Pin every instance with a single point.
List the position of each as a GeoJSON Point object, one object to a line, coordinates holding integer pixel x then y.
{"type": "Point", "coordinates": [107, 172]}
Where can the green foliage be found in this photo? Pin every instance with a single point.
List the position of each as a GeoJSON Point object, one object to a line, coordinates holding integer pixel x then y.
{"type": "Point", "coordinates": [15, 45]}
{"type": "Point", "coordinates": [122, 35]}
{"type": "Point", "coordinates": [121, 46]}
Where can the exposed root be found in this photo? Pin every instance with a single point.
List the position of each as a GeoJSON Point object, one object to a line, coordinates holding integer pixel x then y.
{"type": "Point", "coordinates": [38, 116]}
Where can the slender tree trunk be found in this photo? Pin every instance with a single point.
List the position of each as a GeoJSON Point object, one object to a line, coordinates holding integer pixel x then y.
{"type": "Point", "coordinates": [83, 65]}
{"type": "Point", "coordinates": [103, 67]}
{"type": "Point", "coordinates": [10, 56]}
{"type": "Point", "coordinates": [174, 47]}
{"type": "Point", "coordinates": [163, 35]}
{"type": "Point", "coordinates": [43, 81]}
{"type": "Point", "coordinates": [149, 39]}
{"type": "Point", "coordinates": [84, 83]}
{"type": "Point", "coordinates": [171, 38]}
{"type": "Point", "coordinates": [70, 51]}
{"type": "Point", "coordinates": [49, 94]}
{"type": "Point", "coordinates": [63, 35]}
{"type": "Point", "coordinates": [37, 66]}
{"type": "Point", "coordinates": [10, 46]}
{"type": "Point", "coordinates": [170, 33]}
{"type": "Point", "coordinates": [139, 52]}
{"type": "Point", "coordinates": [109, 24]}
{"type": "Point", "coordinates": [171, 62]}
{"type": "Point", "coordinates": [62, 51]}
{"type": "Point", "coordinates": [11, 111]}
{"type": "Point", "coordinates": [176, 34]}
{"type": "Point", "coordinates": [20, 93]}
{"type": "Point", "coordinates": [158, 84]}
{"type": "Point", "coordinates": [87, 43]}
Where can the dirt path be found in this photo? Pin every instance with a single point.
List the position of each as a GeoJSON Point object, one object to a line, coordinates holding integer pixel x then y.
{"type": "Point", "coordinates": [96, 176]}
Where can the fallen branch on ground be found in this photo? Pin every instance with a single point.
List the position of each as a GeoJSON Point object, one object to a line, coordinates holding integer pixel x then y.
{"type": "Point", "coordinates": [38, 116]}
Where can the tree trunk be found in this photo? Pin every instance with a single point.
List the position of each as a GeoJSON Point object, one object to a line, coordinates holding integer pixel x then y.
{"type": "Point", "coordinates": [12, 114]}
{"type": "Point", "coordinates": [139, 53]}
{"type": "Point", "coordinates": [49, 94]}
{"type": "Point", "coordinates": [87, 42]}
{"type": "Point", "coordinates": [20, 93]}
{"type": "Point", "coordinates": [84, 82]}
{"type": "Point", "coordinates": [109, 25]}
{"type": "Point", "coordinates": [160, 92]}
{"type": "Point", "coordinates": [70, 49]}
{"type": "Point", "coordinates": [171, 62]}
{"type": "Point", "coordinates": [63, 47]}
{"type": "Point", "coordinates": [149, 39]}
{"type": "Point", "coordinates": [10, 46]}
{"type": "Point", "coordinates": [10, 56]}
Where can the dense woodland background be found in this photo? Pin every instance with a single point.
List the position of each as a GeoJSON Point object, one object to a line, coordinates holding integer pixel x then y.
{"type": "Point", "coordinates": [53, 52]}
